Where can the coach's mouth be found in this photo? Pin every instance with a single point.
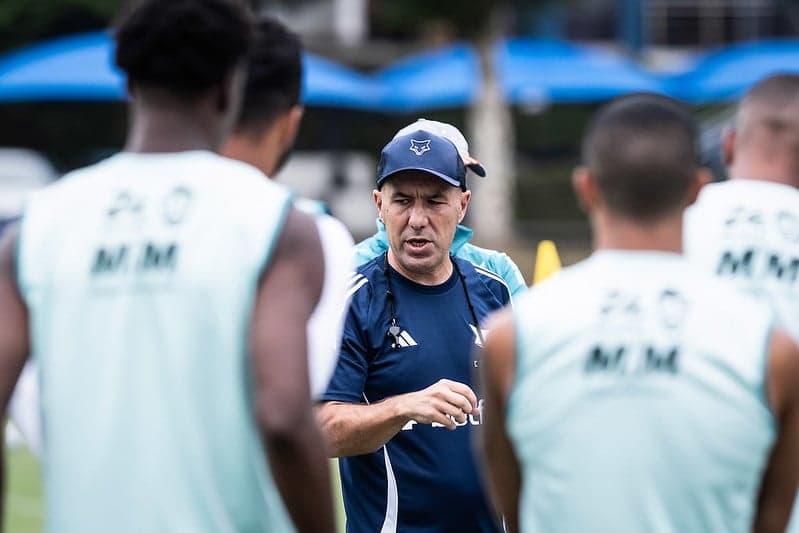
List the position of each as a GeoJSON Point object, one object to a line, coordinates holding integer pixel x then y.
{"type": "Point", "coordinates": [418, 245]}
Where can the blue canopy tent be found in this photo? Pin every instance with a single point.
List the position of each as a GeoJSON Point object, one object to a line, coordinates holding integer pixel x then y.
{"type": "Point", "coordinates": [81, 67]}
{"type": "Point", "coordinates": [71, 68]}
{"type": "Point", "coordinates": [535, 72]}
{"type": "Point", "coordinates": [725, 74]}
{"type": "Point", "coordinates": [443, 78]}
{"type": "Point", "coordinates": [329, 84]}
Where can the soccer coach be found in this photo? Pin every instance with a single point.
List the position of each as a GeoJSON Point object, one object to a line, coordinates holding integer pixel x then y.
{"type": "Point", "coordinates": [400, 409]}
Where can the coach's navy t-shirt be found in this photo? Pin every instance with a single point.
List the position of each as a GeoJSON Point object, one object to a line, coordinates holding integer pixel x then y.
{"type": "Point", "coordinates": [425, 478]}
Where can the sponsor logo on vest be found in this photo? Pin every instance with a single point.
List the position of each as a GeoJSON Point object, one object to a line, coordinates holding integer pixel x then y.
{"type": "Point", "coordinates": [743, 217]}
{"type": "Point", "coordinates": [125, 258]}
{"type": "Point", "coordinates": [125, 206]}
{"type": "Point", "coordinates": [624, 313]}
{"type": "Point", "coordinates": [620, 306]}
{"type": "Point", "coordinates": [626, 360]}
{"type": "Point", "coordinates": [755, 263]}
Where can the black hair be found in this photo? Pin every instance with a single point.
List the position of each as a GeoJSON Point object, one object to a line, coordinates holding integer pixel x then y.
{"type": "Point", "coordinates": [274, 76]}
{"type": "Point", "coordinates": [643, 150]}
{"type": "Point", "coordinates": [184, 46]}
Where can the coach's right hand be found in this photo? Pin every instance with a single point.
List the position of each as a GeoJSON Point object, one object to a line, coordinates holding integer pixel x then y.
{"type": "Point", "coordinates": [355, 429]}
{"type": "Point", "coordinates": [445, 402]}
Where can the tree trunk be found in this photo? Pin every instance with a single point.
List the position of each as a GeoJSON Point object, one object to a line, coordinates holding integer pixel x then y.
{"type": "Point", "coordinates": [491, 140]}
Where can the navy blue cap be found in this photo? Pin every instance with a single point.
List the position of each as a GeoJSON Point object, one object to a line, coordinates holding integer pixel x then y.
{"type": "Point", "coordinates": [424, 151]}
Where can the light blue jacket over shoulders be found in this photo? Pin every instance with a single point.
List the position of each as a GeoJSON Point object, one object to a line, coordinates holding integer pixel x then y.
{"type": "Point", "coordinates": [497, 262]}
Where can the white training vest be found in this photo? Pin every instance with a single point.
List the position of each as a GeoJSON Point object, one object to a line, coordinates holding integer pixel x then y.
{"type": "Point", "coordinates": [746, 232]}
{"type": "Point", "coordinates": [638, 402]}
{"type": "Point", "coordinates": [140, 274]}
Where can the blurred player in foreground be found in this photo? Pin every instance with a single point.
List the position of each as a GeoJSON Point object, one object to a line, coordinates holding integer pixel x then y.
{"type": "Point", "coordinates": [630, 392]}
{"type": "Point", "coordinates": [263, 137]}
{"type": "Point", "coordinates": [167, 313]}
{"type": "Point", "coordinates": [746, 230]}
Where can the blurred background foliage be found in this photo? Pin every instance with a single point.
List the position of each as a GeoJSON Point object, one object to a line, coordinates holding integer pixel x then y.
{"type": "Point", "coordinates": [545, 139]}
{"type": "Point", "coordinates": [26, 21]}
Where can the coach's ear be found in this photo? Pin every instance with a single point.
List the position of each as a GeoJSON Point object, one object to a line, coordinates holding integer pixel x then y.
{"type": "Point", "coordinates": [377, 196]}
{"type": "Point", "coordinates": [585, 189]}
{"type": "Point", "coordinates": [464, 205]}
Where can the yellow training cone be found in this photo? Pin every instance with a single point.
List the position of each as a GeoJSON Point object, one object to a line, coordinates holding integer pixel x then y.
{"type": "Point", "coordinates": [547, 261]}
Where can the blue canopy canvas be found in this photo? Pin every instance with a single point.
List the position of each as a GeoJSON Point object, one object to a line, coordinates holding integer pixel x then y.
{"type": "Point", "coordinates": [442, 78]}
{"type": "Point", "coordinates": [529, 71]}
{"type": "Point", "coordinates": [81, 68]}
{"type": "Point", "coordinates": [532, 71]}
{"type": "Point", "coordinates": [326, 83]}
{"type": "Point", "coordinates": [71, 68]}
{"type": "Point", "coordinates": [725, 74]}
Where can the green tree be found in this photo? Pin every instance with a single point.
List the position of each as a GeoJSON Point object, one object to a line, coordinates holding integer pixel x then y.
{"type": "Point", "coordinates": [465, 19]}
{"type": "Point", "coordinates": [409, 17]}
{"type": "Point", "coordinates": [26, 21]}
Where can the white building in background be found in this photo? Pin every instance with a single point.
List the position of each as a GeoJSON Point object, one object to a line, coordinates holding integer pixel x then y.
{"type": "Point", "coordinates": [21, 171]}
{"type": "Point", "coordinates": [347, 21]}
{"type": "Point", "coordinates": [351, 21]}
{"type": "Point", "coordinates": [343, 180]}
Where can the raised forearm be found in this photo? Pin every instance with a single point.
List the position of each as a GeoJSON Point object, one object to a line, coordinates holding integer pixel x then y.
{"type": "Point", "coordinates": [357, 429]}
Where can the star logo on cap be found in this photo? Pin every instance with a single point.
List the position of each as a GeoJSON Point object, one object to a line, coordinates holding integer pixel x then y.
{"type": "Point", "coordinates": [420, 147]}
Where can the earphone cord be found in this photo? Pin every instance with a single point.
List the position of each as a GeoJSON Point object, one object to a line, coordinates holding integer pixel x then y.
{"type": "Point", "coordinates": [394, 331]}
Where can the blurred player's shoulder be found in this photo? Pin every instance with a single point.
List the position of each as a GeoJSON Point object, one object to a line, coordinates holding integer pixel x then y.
{"type": "Point", "coordinates": [716, 199]}
{"type": "Point", "coordinates": [312, 207]}
{"type": "Point", "coordinates": [568, 280]}
{"type": "Point", "coordinates": [199, 182]}
{"type": "Point", "coordinates": [192, 166]}
{"type": "Point", "coordinates": [577, 289]}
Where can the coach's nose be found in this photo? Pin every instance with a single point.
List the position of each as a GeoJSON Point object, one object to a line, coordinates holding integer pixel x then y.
{"type": "Point", "coordinates": [418, 216]}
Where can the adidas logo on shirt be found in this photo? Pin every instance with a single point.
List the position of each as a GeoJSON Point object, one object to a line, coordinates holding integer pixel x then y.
{"type": "Point", "coordinates": [405, 339]}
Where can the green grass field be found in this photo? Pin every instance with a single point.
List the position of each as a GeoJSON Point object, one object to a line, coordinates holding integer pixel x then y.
{"type": "Point", "coordinates": [25, 510]}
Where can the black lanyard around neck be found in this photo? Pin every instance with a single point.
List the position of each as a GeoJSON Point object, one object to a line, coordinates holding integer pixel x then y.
{"type": "Point", "coordinates": [394, 329]}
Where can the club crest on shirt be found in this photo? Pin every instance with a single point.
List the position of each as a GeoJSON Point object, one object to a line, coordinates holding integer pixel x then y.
{"type": "Point", "coordinates": [420, 147]}
{"type": "Point", "coordinates": [788, 224]}
{"type": "Point", "coordinates": [672, 308]}
{"type": "Point", "coordinates": [176, 205]}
